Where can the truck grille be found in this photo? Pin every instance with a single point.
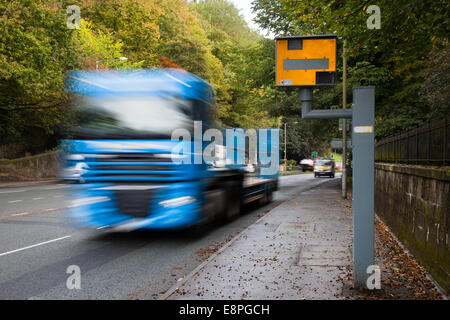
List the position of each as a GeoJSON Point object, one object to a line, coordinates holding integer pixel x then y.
{"type": "Point", "coordinates": [133, 157]}
{"type": "Point", "coordinates": [133, 203]}
{"type": "Point", "coordinates": [134, 166]}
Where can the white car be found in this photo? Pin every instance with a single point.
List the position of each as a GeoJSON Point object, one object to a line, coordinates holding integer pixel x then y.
{"type": "Point", "coordinates": [307, 164]}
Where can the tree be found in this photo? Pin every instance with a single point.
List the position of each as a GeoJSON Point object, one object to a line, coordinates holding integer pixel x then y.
{"type": "Point", "coordinates": [135, 23]}
{"type": "Point", "coordinates": [36, 49]}
{"type": "Point", "coordinates": [93, 46]}
{"type": "Point", "coordinates": [436, 88]}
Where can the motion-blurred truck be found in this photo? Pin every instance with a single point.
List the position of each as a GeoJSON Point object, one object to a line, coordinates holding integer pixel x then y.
{"type": "Point", "coordinates": [146, 152]}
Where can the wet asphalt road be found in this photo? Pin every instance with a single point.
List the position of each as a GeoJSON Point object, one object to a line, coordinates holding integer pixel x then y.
{"type": "Point", "coordinates": [37, 246]}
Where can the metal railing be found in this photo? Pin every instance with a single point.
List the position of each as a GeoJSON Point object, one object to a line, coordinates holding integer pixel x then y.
{"type": "Point", "coordinates": [428, 144]}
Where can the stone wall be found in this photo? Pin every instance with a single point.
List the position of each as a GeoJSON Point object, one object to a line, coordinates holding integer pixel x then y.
{"type": "Point", "coordinates": [414, 202]}
{"type": "Point", "coordinates": [41, 166]}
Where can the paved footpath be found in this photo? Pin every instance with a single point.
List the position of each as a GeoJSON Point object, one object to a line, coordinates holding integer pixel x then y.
{"type": "Point", "coordinates": [299, 250]}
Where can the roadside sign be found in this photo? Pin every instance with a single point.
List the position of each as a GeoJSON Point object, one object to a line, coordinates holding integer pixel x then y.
{"type": "Point", "coordinates": [348, 124]}
{"type": "Point", "coordinates": [306, 60]}
{"type": "Point", "coordinates": [314, 155]}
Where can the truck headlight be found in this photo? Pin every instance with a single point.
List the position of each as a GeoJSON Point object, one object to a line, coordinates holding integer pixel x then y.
{"type": "Point", "coordinates": [176, 202]}
{"type": "Point", "coordinates": [75, 172]}
{"type": "Point", "coordinates": [75, 157]}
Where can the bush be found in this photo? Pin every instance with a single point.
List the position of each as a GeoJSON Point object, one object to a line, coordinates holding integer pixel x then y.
{"type": "Point", "coordinates": [291, 163]}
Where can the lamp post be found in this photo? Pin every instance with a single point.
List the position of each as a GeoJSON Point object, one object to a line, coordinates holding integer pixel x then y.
{"type": "Point", "coordinates": [344, 123]}
{"type": "Point", "coordinates": [120, 58]}
{"type": "Point", "coordinates": [285, 141]}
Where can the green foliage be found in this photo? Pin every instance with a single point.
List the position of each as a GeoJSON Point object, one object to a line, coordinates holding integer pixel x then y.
{"type": "Point", "coordinates": [436, 88]}
{"type": "Point", "coordinates": [133, 22]}
{"type": "Point", "coordinates": [224, 18]}
{"type": "Point", "coordinates": [305, 136]}
{"type": "Point", "coordinates": [185, 41]}
{"type": "Point", "coordinates": [291, 163]}
{"type": "Point", "coordinates": [36, 49]}
{"type": "Point", "coordinates": [238, 49]}
{"type": "Point", "coordinates": [92, 46]}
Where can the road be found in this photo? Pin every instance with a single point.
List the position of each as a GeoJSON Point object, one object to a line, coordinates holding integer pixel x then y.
{"type": "Point", "coordinates": [37, 246]}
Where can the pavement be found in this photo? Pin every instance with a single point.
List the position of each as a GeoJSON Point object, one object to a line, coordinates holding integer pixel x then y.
{"type": "Point", "coordinates": [302, 250]}
{"type": "Point", "coordinates": [299, 250]}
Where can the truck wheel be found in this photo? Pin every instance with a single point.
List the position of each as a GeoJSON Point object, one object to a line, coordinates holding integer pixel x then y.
{"type": "Point", "coordinates": [233, 201]}
{"type": "Point", "coordinates": [198, 230]}
{"type": "Point", "coordinates": [269, 196]}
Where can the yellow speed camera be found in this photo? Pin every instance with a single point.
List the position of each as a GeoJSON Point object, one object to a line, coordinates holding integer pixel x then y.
{"type": "Point", "coordinates": [306, 60]}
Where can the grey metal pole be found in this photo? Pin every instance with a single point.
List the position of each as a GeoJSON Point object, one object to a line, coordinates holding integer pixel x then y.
{"type": "Point", "coordinates": [344, 124]}
{"type": "Point", "coordinates": [285, 146]}
{"type": "Point", "coordinates": [305, 95]}
{"type": "Point", "coordinates": [363, 182]}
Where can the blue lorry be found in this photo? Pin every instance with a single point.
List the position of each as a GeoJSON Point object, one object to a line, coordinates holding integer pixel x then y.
{"type": "Point", "coordinates": [146, 153]}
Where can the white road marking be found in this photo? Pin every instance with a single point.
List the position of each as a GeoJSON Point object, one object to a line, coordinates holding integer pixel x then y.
{"type": "Point", "coordinates": [20, 214]}
{"type": "Point", "coordinates": [39, 211]}
{"type": "Point", "coordinates": [11, 191]}
{"type": "Point", "coordinates": [58, 196]}
{"type": "Point", "coordinates": [56, 187]}
{"type": "Point", "coordinates": [38, 198]}
{"type": "Point", "coordinates": [14, 201]}
{"type": "Point", "coordinates": [86, 201]}
{"type": "Point", "coordinates": [34, 245]}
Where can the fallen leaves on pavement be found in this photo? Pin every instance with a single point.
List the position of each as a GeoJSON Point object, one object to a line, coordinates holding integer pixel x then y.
{"type": "Point", "coordinates": [402, 276]}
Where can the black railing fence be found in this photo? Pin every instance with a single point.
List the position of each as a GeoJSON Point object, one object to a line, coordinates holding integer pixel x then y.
{"type": "Point", "coordinates": [428, 144]}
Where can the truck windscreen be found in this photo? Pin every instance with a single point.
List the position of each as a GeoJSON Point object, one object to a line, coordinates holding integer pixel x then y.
{"type": "Point", "coordinates": [136, 117]}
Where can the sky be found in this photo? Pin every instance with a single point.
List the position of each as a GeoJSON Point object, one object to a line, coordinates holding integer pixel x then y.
{"type": "Point", "coordinates": [245, 7]}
